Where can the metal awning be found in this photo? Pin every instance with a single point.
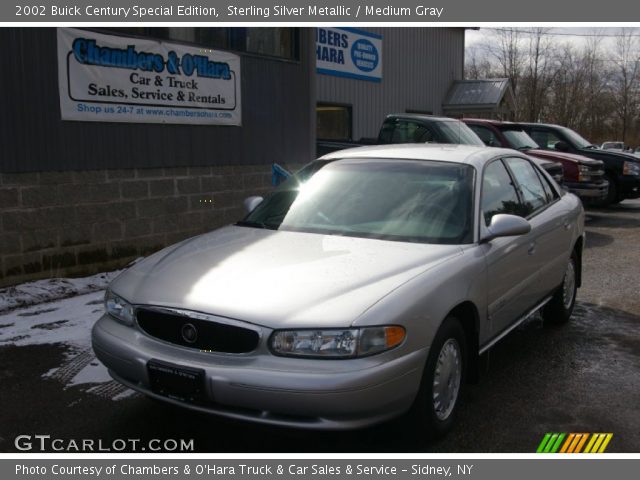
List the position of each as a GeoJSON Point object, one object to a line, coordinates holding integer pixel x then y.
{"type": "Point", "coordinates": [478, 95]}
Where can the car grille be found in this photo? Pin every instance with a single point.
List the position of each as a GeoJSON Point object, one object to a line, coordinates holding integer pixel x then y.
{"type": "Point", "coordinates": [596, 173]}
{"type": "Point", "coordinates": [209, 335]}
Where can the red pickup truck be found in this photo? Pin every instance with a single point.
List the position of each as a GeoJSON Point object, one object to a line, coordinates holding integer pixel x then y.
{"type": "Point", "coordinates": [582, 176]}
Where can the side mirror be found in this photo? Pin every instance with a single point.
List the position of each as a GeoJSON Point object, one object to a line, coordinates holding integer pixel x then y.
{"type": "Point", "coordinates": [561, 146]}
{"type": "Point", "coordinates": [250, 203]}
{"type": "Point", "coordinates": [504, 225]}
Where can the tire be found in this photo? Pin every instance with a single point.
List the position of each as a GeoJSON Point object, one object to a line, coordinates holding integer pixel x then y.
{"type": "Point", "coordinates": [560, 307]}
{"type": "Point", "coordinates": [430, 418]}
{"type": "Point", "coordinates": [612, 193]}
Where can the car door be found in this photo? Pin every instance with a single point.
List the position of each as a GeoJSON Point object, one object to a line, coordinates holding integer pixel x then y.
{"type": "Point", "coordinates": [550, 225]}
{"type": "Point", "coordinates": [511, 268]}
{"type": "Point", "coordinates": [547, 139]}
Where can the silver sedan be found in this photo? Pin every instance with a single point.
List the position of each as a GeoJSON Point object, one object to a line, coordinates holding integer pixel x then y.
{"type": "Point", "coordinates": [365, 287]}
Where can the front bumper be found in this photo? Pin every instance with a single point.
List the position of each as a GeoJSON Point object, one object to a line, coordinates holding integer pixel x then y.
{"type": "Point", "coordinates": [629, 186]}
{"type": "Point", "coordinates": [589, 191]}
{"type": "Point", "coordinates": [260, 387]}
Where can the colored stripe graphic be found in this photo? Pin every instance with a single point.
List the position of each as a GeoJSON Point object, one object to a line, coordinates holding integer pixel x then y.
{"type": "Point", "coordinates": [543, 443]}
{"type": "Point", "coordinates": [556, 445]}
{"type": "Point", "coordinates": [568, 442]}
{"type": "Point", "coordinates": [574, 442]}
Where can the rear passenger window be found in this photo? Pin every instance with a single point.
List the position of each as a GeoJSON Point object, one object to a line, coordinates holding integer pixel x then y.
{"type": "Point", "coordinates": [533, 193]}
{"type": "Point", "coordinates": [486, 135]}
{"type": "Point", "coordinates": [551, 193]}
{"type": "Point", "coordinates": [406, 131]}
{"type": "Point", "coordinates": [498, 193]}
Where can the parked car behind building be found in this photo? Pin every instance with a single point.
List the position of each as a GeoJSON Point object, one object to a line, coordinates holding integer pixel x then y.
{"type": "Point", "coordinates": [613, 146]}
{"type": "Point", "coordinates": [622, 171]}
{"type": "Point", "coordinates": [402, 128]}
{"type": "Point", "coordinates": [581, 175]}
{"type": "Point", "coordinates": [410, 128]}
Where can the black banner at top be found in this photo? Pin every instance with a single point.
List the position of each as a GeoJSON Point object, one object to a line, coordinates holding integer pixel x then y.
{"type": "Point", "coordinates": [316, 11]}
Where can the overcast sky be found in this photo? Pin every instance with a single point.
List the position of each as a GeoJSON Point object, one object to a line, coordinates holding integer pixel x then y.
{"type": "Point", "coordinates": [575, 35]}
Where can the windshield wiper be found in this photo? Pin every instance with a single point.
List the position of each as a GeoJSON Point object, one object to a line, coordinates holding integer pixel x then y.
{"type": "Point", "coordinates": [524, 147]}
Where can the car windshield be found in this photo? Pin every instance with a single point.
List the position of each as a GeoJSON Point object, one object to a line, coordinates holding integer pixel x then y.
{"type": "Point", "coordinates": [519, 139]}
{"type": "Point", "coordinates": [458, 133]}
{"type": "Point", "coordinates": [577, 140]}
{"type": "Point", "coordinates": [389, 199]}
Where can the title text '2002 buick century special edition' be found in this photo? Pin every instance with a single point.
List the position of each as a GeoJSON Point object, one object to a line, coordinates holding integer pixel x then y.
{"type": "Point", "coordinates": [364, 287]}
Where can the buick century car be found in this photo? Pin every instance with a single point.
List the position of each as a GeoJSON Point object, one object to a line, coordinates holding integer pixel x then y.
{"type": "Point", "coordinates": [363, 288]}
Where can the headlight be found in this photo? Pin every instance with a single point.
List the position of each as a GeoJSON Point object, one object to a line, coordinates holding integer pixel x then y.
{"type": "Point", "coordinates": [334, 343]}
{"type": "Point", "coordinates": [118, 308]}
{"type": "Point", "coordinates": [631, 168]}
{"type": "Point", "coordinates": [584, 173]}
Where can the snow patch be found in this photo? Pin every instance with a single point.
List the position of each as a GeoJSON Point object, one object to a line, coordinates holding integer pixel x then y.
{"type": "Point", "coordinates": [42, 291]}
{"type": "Point", "coordinates": [61, 311]}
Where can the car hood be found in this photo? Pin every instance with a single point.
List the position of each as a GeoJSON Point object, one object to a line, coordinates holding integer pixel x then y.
{"type": "Point", "coordinates": [561, 156]}
{"type": "Point", "coordinates": [277, 278]}
{"type": "Point", "coordinates": [605, 155]}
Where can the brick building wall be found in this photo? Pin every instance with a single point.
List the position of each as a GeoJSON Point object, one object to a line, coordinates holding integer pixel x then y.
{"type": "Point", "coordinates": [78, 198]}
{"type": "Point", "coordinates": [81, 222]}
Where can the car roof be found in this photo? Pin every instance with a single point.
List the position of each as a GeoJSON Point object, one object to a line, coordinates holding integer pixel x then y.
{"type": "Point", "coordinates": [535, 124]}
{"type": "Point", "coordinates": [422, 116]}
{"type": "Point", "coordinates": [469, 154]}
{"type": "Point", "coordinates": [490, 121]}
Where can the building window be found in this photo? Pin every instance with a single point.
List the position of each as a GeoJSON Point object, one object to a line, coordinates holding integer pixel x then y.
{"type": "Point", "coordinates": [275, 42]}
{"type": "Point", "coordinates": [279, 42]}
{"type": "Point", "coordinates": [334, 122]}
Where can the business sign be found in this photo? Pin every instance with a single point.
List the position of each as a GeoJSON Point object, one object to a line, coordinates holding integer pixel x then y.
{"type": "Point", "coordinates": [106, 78]}
{"type": "Point", "coordinates": [349, 52]}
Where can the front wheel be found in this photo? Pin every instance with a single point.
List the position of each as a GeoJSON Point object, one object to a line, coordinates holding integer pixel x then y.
{"type": "Point", "coordinates": [434, 409]}
{"type": "Point", "coordinates": [560, 307]}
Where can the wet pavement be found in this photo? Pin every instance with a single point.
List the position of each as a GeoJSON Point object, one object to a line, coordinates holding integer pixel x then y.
{"type": "Point", "coordinates": [580, 377]}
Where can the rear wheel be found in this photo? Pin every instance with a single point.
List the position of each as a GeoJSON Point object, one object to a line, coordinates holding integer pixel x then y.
{"type": "Point", "coordinates": [560, 307]}
{"type": "Point", "coordinates": [435, 407]}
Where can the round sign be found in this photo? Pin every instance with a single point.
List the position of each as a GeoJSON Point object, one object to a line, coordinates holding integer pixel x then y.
{"type": "Point", "coordinates": [364, 55]}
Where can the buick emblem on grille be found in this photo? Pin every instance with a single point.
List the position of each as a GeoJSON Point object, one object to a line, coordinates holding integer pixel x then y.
{"type": "Point", "coordinates": [189, 333]}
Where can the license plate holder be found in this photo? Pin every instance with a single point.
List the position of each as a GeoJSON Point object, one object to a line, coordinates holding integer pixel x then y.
{"type": "Point", "coordinates": [176, 381]}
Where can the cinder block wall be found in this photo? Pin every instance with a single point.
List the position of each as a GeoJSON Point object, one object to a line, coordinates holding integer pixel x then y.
{"type": "Point", "coordinates": [77, 223]}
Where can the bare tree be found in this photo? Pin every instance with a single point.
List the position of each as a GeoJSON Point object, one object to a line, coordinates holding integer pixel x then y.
{"type": "Point", "coordinates": [477, 66]}
{"type": "Point", "coordinates": [624, 81]}
{"type": "Point", "coordinates": [538, 74]}
{"type": "Point", "coordinates": [567, 89]}
{"type": "Point", "coordinates": [592, 85]}
{"type": "Point", "coordinates": [597, 99]}
{"type": "Point", "coordinates": [505, 48]}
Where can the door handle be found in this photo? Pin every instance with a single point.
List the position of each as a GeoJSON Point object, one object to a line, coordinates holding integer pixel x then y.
{"type": "Point", "coordinates": [567, 224]}
{"type": "Point", "coordinates": [532, 248]}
